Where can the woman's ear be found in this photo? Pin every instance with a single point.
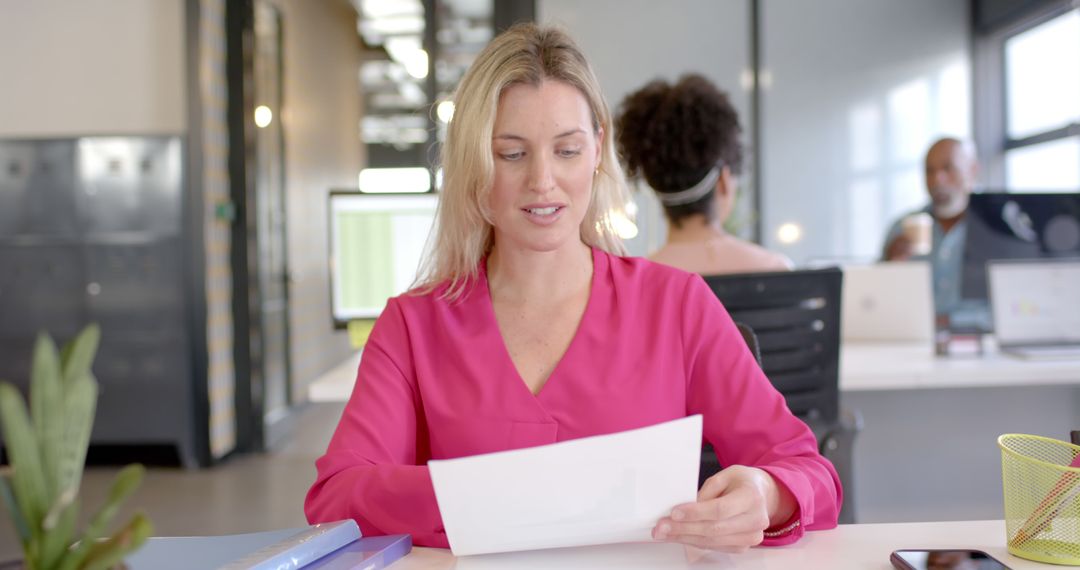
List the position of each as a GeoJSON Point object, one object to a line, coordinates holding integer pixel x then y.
{"type": "Point", "coordinates": [725, 194]}
{"type": "Point", "coordinates": [725, 185]}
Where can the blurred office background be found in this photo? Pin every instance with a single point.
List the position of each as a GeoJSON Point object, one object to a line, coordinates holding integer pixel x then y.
{"type": "Point", "coordinates": [166, 169]}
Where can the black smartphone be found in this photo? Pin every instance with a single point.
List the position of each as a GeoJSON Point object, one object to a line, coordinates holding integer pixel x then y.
{"type": "Point", "coordinates": [945, 560]}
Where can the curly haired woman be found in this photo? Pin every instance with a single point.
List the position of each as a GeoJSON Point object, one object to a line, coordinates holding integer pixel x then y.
{"type": "Point", "coordinates": [684, 140]}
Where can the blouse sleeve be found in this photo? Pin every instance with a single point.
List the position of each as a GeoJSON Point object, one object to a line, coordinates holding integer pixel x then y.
{"type": "Point", "coordinates": [747, 420]}
{"type": "Point", "coordinates": [370, 472]}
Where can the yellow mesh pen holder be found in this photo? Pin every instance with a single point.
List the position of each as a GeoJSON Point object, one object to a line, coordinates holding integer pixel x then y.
{"type": "Point", "coordinates": [1041, 483]}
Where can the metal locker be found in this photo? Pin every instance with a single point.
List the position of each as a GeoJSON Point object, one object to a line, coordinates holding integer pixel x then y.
{"type": "Point", "coordinates": [136, 285]}
{"type": "Point", "coordinates": [15, 357]}
{"type": "Point", "coordinates": [36, 178]}
{"type": "Point", "coordinates": [130, 184]}
{"type": "Point", "coordinates": [147, 398]}
{"type": "Point", "coordinates": [41, 288]}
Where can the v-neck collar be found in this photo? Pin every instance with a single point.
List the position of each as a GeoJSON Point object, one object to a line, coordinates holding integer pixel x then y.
{"type": "Point", "coordinates": [599, 269]}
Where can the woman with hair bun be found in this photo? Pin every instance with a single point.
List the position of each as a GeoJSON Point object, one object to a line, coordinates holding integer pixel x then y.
{"type": "Point", "coordinates": [683, 139]}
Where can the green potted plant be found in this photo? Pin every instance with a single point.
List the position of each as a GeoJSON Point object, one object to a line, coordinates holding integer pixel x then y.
{"type": "Point", "coordinates": [46, 448]}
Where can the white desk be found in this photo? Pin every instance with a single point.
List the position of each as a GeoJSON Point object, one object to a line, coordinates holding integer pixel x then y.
{"type": "Point", "coordinates": [928, 449]}
{"type": "Point", "coordinates": [912, 366]}
{"type": "Point", "coordinates": [864, 366]}
{"type": "Point", "coordinates": [865, 546]}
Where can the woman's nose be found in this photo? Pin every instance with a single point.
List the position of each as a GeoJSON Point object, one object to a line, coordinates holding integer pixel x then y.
{"type": "Point", "coordinates": [541, 177]}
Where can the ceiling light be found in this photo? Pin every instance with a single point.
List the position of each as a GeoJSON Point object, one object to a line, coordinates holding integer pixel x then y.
{"type": "Point", "coordinates": [263, 116]}
{"type": "Point", "coordinates": [789, 233]}
{"type": "Point", "coordinates": [445, 111]}
{"type": "Point", "coordinates": [407, 51]}
{"type": "Point", "coordinates": [387, 180]}
{"type": "Point", "coordinates": [416, 63]}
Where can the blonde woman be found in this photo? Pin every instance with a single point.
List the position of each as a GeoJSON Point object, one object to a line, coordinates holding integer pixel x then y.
{"type": "Point", "coordinates": [529, 328]}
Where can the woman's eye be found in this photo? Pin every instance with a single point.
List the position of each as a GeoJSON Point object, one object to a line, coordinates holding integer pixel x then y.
{"type": "Point", "coordinates": [569, 152]}
{"type": "Point", "coordinates": [511, 155]}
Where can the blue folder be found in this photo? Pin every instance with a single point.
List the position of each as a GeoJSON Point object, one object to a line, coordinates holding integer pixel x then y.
{"type": "Point", "coordinates": [334, 546]}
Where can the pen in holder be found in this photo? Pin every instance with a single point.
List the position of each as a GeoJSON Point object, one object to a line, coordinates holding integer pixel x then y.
{"type": "Point", "coordinates": [1041, 485]}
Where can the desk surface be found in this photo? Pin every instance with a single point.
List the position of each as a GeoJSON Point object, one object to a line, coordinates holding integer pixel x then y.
{"type": "Point", "coordinates": [866, 366]}
{"type": "Point", "coordinates": [864, 546]}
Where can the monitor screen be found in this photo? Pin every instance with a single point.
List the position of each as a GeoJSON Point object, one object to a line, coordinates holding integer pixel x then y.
{"type": "Point", "coordinates": [1017, 226]}
{"type": "Point", "coordinates": [376, 244]}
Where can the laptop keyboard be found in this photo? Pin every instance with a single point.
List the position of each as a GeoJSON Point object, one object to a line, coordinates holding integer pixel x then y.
{"type": "Point", "coordinates": [1067, 351]}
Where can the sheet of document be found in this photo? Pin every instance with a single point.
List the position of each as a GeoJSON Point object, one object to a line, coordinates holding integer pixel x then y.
{"type": "Point", "coordinates": [594, 490]}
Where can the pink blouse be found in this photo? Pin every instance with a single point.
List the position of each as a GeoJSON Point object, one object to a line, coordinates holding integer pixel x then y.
{"type": "Point", "coordinates": [654, 344]}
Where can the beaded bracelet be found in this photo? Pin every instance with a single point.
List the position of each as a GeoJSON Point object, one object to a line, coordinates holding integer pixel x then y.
{"type": "Point", "coordinates": [782, 531]}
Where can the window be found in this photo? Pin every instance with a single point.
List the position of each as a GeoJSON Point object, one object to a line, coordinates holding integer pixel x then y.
{"type": "Point", "coordinates": [1047, 166]}
{"type": "Point", "coordinates": [1042, 106]}
{"type": "Point", "coordinates": [415, 53]}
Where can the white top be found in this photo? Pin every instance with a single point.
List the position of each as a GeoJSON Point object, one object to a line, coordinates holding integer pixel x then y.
{"type": "Point", "coordinates": [910, 366]}
{"type": "Point", "coordinates": [863, 546]}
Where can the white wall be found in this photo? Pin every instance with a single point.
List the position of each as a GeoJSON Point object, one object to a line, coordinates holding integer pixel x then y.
{"type": "Point", "coordinates": [91, 67]}
{"type": "Point", "coordinates": [855, 92]}
{"type": "Point", "coordinates": [321, 117]}
{"type": "Point", "coordinates": [631, 42]}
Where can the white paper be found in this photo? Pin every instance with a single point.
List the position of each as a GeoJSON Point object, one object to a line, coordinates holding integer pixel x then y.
{"type": "Point", "coordinates": [594, 490]}
{"type": "Point", "coordinates": [638, 556]}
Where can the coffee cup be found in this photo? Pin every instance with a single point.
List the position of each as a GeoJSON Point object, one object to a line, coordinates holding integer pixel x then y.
{"type": "Point", "coordinates": [918, 229]}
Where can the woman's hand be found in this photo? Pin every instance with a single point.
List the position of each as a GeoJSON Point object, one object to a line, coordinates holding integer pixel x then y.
{"type": "Point", "coordinates": [733, 509]}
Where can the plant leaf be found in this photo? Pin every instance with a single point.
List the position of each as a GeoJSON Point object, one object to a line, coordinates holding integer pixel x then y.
{"type": "Point", "coordinates": [105, 555]}
{"type": "Point", "coordinates": [79, 406]}
{"type": "Point", "coordinates": [46, 397]}
{"type": "Point", "coordinates": [126, 482]}
{"type": "Point", "coordinates": [27, 479]}
{"type": "Point", "coordinates": [57, 537]}
{"type": "Point", "coordinates": [79, 355]}
{"type": "Point", "coordinates": [52, 516]}
{"type": "Point", "coordinates": [80, 391]}
{"type": "Point", "coordinates": [13, 508]}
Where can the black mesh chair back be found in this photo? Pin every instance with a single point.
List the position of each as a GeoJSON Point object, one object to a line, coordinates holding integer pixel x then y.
{"type": "Point", "coordinates": [750, 339]}
{"type": "Point", "coordinates": [710, 464]}
{"type": "Point", "coordinates": [795, 316]}
{"type": "Point", "coordinates": [791, 322]}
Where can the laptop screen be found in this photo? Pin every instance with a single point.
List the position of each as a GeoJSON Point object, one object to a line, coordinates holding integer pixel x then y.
{"type": "Point", "coordinates": [888, 302]}
{"type": "Point", "coordinates": [1035, 302]}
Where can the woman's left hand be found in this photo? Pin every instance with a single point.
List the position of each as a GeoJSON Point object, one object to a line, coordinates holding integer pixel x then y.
{"type": "Point", "coordinates": [733, 509]}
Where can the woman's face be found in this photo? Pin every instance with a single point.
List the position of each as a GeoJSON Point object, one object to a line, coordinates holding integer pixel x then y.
{"type": "Point", "coordinates": [545, 152]}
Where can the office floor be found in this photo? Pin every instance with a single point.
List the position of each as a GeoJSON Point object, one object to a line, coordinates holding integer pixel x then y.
{"type": "Point", "coordinates": [336, 384]}
{"type": "Point", "coordinates": [244, 494]}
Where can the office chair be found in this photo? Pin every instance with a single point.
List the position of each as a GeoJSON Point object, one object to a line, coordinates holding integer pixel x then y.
{"type": "Point", "coordinates": [791, 322]}
{"type": "Point", "coordinates": [710, 464]}
{"type": "Point", "coordinates": [751, 340]}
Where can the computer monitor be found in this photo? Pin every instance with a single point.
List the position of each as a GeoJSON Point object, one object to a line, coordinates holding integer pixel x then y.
{"type": "Point", "coordinates": [376, 244]}
{"type": "Point", "coordinates": [1017, 226]}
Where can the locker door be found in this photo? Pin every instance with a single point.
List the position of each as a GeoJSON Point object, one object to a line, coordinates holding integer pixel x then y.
{"type": "Point", "coordinates": [130, 185]}
{"type": "Point", "coordinates": [36, 178]}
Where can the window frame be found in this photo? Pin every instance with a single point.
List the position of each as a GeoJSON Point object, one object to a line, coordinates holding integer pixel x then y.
{"type": "Point", "coordinates": [991, 92]}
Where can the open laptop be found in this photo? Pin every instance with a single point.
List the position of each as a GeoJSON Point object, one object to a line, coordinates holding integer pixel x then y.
{"type": "Point", "coordinates": [1036, 306]}
{"type": "Point", "coordinates": [888, 302]}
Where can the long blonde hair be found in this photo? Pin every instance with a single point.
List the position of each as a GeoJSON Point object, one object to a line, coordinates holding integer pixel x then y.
{"type": "Point", "coordinates": [463, 234]}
